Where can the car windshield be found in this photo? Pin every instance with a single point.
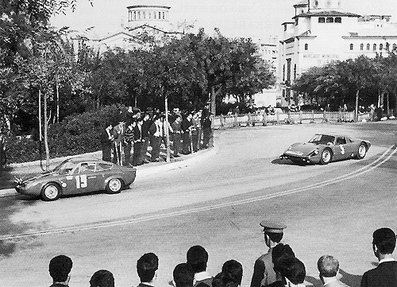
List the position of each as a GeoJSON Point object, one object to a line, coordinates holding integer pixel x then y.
{"type": "Point", "coordinates": [64, 167]}
{"type": "Point", "coordinates": [322, 139]}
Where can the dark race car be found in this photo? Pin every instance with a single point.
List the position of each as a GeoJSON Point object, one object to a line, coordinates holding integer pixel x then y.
{"type": "Point", "coordinates": [323, 149]}
{"type": "Point", "coordinates": [75, 176]}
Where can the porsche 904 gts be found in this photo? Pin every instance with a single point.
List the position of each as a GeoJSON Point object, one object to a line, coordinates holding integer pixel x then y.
{"type": "Point", "coordinates": [75, 176]}
{"type": "Point", "coordinates": [323, 149]}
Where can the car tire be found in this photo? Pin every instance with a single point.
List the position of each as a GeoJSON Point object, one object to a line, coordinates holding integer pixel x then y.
{"type": "Point", "coordinates": [114, 185]}
{"type": "Point", "coordinates": [50, 192]}
{"type": "Point", "coordinates": [326, 156]}
{"type": "Point", "coordinates": [362, 151]}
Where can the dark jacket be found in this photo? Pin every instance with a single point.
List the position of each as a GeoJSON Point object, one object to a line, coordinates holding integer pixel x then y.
{"type": "Point", "coordinates": [385, 275]}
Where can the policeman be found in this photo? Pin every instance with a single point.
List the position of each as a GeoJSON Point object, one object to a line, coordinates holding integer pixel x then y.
{"type": "Point", "coordinates": [264, 273]}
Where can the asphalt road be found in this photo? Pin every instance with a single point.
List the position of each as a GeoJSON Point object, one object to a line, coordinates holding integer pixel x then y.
{"type": "Point", "coordinates": [216, 202]}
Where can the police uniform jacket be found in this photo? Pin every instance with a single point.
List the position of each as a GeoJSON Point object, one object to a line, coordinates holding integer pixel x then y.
{"type": "Point", "coordinates": [264, 273]}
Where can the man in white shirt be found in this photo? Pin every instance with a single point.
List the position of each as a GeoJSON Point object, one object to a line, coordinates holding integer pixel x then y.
{"type": "Point", "coordinates": [328, 266]}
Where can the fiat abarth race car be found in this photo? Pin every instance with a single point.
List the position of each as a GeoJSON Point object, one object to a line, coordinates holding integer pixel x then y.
{"type": "Point", "coordinates": [75, 176]}
{"type": "Point", "coordinates": [322, 149]}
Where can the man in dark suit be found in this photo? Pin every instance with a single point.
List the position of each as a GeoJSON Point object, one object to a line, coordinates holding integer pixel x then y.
{"type": "Point", "coordinates": [197, 258]}
{"type": "Point", "coordinates": [102, 278]}
{"type": "Point", "coordinates": [385, 275]}
{"type": "Point", "coordinates": [59, 268]}
{"type": "Point", "coordinates": [147, 267]}
{"type": "Point", "coordinates": [183, 275]}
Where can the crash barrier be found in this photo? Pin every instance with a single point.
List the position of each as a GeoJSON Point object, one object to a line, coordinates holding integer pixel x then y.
{"type": "Point", "coordinates": [278, 118]}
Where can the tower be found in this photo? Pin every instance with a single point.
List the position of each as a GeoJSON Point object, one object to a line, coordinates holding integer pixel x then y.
{"type": "Point", "coordinates": [150, 12]}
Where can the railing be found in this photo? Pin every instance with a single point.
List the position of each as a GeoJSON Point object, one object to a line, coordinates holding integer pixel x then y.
{"type": "Point", "coordinates": [278, 118]}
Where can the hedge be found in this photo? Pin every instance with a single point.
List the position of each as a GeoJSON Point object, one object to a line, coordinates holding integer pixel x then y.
{"type": "Point", "coordinates": [76, 134]}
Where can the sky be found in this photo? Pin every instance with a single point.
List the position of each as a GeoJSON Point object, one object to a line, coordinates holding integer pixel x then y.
{"type": "Point", "coordinates": [258, 19]}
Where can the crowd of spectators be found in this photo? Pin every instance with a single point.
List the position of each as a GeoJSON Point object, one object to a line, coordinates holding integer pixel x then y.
{"type": "Point", "coordinates": [127, 142]}
{"type": "Point", "coordinates": [283, 269]}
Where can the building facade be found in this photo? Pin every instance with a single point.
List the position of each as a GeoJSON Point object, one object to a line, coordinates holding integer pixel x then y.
{"type": "Point", "coordinates": [321, 32]}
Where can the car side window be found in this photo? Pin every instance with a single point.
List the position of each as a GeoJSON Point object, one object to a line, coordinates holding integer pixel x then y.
{"type": "Point", "coordinates": [103, 166]}
{"type": "Point", "coordinates": [340, 141]}
{"type": "Point", "coordinates": [87, 167]}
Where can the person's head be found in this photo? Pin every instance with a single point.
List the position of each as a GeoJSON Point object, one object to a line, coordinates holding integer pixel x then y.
{"type": "Point", "coordinates": [147, 266]}
{"type": "Point", "coordinates": [60, 267]}
{"type": "Point", "coordinates": [280, 252]}
{"type": "Point", "coordinates": [383, 242]}
{"type": "Point", "coordinates": [292, 269]}
{"type": "Point", "coordinates": [183, 275]}
{"type": "Point", "coordinates": [273, 232]}
{"type": "Point", "coordinates": [233, 271]}
{"type": "Point", "coordinates": [328, 266]}
{"type": "Point", "coordinates": [102, 278]}
{"type": "Point", "coordinates": [197, 257]}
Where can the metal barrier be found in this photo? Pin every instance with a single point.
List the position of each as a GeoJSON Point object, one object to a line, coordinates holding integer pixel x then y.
{"type": "Point", "coordinates": [238, 120]}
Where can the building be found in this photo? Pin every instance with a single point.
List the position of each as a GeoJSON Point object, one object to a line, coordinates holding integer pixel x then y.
{"type": "Point", "coordinates": [147, 24]}
{"type": "Point", "coordinates": [321, 32]}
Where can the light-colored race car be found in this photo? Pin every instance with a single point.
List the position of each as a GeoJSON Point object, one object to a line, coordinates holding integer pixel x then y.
{"type": "Point", "coordinates": [75, 176]}
{"type": "Point", "coordinates": [324, 148]}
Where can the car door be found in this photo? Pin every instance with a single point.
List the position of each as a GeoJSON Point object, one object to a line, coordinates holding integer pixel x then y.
{"type": "Point", "coordinates": [85, 178]}
{"type": "Point", "coordinates": [340, 151]}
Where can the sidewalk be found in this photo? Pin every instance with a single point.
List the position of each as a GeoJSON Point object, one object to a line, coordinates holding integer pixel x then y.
{"type": "Point", "coordinates": [29, 169]}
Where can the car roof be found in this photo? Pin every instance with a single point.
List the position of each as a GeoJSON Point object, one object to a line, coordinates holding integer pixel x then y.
{"type": "Point", "coordinates": [86, 159]}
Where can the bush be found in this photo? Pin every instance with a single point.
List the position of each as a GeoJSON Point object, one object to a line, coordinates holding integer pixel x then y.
{"type": "Point", "coordinates": [76, 134]}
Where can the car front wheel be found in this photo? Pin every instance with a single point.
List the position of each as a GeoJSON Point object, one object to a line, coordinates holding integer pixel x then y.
{"type": "Point", "coordinates": [114, 185]}
{"type": "Point", "coordinates": [362, 151]}
{"type": "Point", "coordinates": [50, 192]}
{"type": "Point", "coordinates": [326, 156]}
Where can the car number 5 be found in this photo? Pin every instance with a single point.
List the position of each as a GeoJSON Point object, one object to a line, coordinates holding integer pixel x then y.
{"type": "Point", "coordinates": [342, 149]}
{"type": "Point", "coordinates": [81, 181]}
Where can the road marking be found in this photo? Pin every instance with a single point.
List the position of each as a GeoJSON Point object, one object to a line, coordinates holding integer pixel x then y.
{"type": "Point", "coordinates": [367, 168]}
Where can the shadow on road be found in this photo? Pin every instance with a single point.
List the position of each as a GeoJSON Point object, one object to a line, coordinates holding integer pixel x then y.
{"type": "Point", "coordinates": [287, 162]}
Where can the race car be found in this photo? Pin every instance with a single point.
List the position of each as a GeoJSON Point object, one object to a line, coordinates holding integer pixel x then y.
{"type": "Point", "coordinates": [322, 149]}
{"type": "Point", "coordinates": [75, 176]}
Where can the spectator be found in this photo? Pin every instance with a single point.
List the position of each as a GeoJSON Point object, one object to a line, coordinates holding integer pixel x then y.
{"type": "Point", "coordinates": [206, 128]}
{"type": "Point", "coordinates": [328, 266]}
{"type": "Point", "coordinates": [292, 270]}
{"type": "Point", "coordinates": [197, 258]}
{"type": "Point", "coordinates": [176, 135]}
{"type": "Point", "coordinates": [186, 126]}
{"type": "Point", "coordinates": [156, 133]}
{"type": "Point", "coordinates": [138, 157]}
{"type": "Point", "coordinates": [147, 267]}
{"type": "Point", "coordinates": [231, 275]}
{"type": "Point", "coordinates": [59, 268]}
{"type": "Point", "coordinates": [147, 122]}
{"type": "Point", "coordinates": [385, 275]}
{"type": "Point", "coordinates": [107, 143]}
{"type": "Point", "coordinates": [264, 273]}
{"type": "Point", "coordinates": [196, 131]}
{"type": "Point", "coordinates": [102, 278]}
{"type": "Point", "coordinates": [183, 275]}
{"type": "Point", "coordinates": [118, 134]}
{"type": "Point", "coordinates": [129, 141]}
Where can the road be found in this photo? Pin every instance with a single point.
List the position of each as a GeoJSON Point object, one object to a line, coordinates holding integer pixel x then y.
{"type": "Point", "coordinates": [217, 202]}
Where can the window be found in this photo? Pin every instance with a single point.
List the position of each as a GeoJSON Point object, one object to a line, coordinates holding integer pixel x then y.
{"type": "Point", "coordinates": [306, 46]}
{"type": "Point", "coordinates": [144, 14]}
{"type": "Point", "coordinates": [374, 47]}
{"type": "Point", "coordinates": [296, 21]}
{"type": "Point", "coordinates": [163, 15]}
{"type": "Point", "coordinates": [283, 72]}
{"type": "Point", "coordinates": [361, 46]}
{"type": "Point", "coordinates": [380, 46]}
{"type": "Point", "coordinates": [103, 166]}
{"type": "Point", "coordinates": [154, 15]}
{"type": "Point", "coordinates": [338, 20]}
{"type": "Point", "coordinates": [159, 15]}
{"type": "Point", "coordinates": [368, 46]}
{"type": "Point", "coordinates": [330, 20]}
{"type": "Point", "coordinates": [139, 15]}
{"type": "Point", "coordinates": [351, 47]}
{"type": "Point", "coordinates": [285, 27]}
{"type": "Point", "coordinates": [340, 141]}
{"type": "Point", "coordinates": [294, 71]}
{"type": "Point", "coordinates": [134, 15]}
{"type": "Point", "coordinates": [321, 20]}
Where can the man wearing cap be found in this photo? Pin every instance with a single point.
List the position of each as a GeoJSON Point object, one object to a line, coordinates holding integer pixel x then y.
{"type": "Point", "coordinates": [264, 273]}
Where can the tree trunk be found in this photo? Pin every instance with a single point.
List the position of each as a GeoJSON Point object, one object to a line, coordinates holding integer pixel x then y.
{"type": "Point", "coordinates": [57, 91]}
{"type": "Point", "coordinates": [47, 150]}
{"type": "Point", "coordinates": [356, 108]}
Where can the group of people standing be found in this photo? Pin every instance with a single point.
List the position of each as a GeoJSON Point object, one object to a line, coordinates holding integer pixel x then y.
{"type": "Point", "coordinates": [136, 132]}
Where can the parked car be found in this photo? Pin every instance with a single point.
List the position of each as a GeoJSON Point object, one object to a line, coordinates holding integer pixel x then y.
{"type": "Point", "coordinates": [75, 176]}
{"type": "Point", "coordinates": [324, 148]}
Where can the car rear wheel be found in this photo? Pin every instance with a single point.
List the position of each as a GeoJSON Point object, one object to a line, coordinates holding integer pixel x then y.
{"type": "Point", "coordinates": [326, 156]}
{"type": "Point", "coordinates": [114, 185]}
{"type": "Point", "coordinates": [362, 151]}
{"type": "Point", "coordinates": [50, 192]}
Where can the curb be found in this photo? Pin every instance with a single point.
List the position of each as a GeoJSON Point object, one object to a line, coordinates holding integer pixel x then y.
{"type": "Point", "coordinates": [141, 171]}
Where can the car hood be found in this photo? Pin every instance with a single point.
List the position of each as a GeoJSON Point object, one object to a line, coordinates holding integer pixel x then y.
{"type": "Point", "coordinates": [40, 176]}
{"type": "Point", "coordinates": [301, 148]}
